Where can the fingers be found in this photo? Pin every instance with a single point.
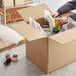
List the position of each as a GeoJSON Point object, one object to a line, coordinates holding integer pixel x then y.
{"type": "Point", "coordinates": [63, 20]}
{"type": "Point", "coordinates": [55, 14]}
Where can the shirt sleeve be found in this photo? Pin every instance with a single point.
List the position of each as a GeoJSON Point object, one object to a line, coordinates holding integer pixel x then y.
{"type": "Point", "coordinates": [67, 7]}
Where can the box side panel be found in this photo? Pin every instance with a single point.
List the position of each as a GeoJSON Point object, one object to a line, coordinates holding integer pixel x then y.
{"type": "Point", "coordinates": [19, 2]}
{"type": "Point", "coordinates": [8, 3]}
{"type": "Point", "coordinates": [65, 37]}
{"type": "Point", "coordinates": [36, 51]}
{"type": "Point", "coordinates": [60, 55]}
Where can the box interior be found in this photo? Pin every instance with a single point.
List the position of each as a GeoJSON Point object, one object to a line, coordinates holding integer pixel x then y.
{"type": "Point", "coordinates": [61, 37]}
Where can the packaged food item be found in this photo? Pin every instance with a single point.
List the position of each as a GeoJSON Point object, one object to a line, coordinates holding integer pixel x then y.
{"type": "Point", "coordinates": [56, 29]}
{"type": "Point", "coordinates": [56, 20]}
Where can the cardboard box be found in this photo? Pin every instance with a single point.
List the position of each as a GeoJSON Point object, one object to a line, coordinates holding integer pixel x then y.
{"type": "Point", "coordinates": [19, 2]}
{"type": "Point", "coordinates": [28, 2]}
{"type": "Point", "coordinates": [4, 46]}
{"type": "Point", "coordinates": [8, 3]}
{"type": "Point", "coordinates": [48, 53]}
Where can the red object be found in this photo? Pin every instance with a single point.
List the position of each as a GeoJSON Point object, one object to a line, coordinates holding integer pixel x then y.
{"type": "Point", "coordinates": [5, 63]}
{"type": "Point", "coordinates": [7, 56]}
{"type": "Point", "coordinates": [8, 61]}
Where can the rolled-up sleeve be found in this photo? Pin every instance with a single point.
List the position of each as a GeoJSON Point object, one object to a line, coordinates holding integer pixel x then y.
{"type": "Point", "coordinates": [67, 7]}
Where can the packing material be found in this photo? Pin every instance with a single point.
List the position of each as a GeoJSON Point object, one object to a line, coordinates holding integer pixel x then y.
{"type": "Point", "coordinates": [9, 35]}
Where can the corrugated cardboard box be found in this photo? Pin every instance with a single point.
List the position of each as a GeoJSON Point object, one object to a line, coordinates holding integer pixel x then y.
{"type": "Point", "coordinates": [19, 2]}
{"type": "Point", "coordinates": [8, 3]}
{"type": "Point", "coordinates": [48, 53]}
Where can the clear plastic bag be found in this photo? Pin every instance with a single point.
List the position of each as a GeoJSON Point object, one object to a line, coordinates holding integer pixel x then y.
{"type": "Point", "coordinates": [71, 23]}
{"type": "Point", "coordinates": [9, 35]}
{"type": "Point", "coordinates": [49, 19]}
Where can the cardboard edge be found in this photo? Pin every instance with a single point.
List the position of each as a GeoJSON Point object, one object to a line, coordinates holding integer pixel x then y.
{"type": "Point", "coordinates": [44, 70]}
{"type": "Point", "coordinates": [53, 36]}
{"type": "Point", "coordinates": [12, 46]}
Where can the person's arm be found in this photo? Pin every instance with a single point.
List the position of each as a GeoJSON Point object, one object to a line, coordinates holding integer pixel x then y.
{"type": "Point", "coordinates": [67, 7]}
{"type": "Point", "coordinates": [73, 16]}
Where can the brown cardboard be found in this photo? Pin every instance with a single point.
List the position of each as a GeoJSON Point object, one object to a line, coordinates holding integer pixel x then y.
{"type": "Point", "coordinates": [27, 31]}
{"type": "Point", "coordinates": [65, 38]}
{"type": "Point", "coordinates": [4, 46]}
{"type": "Point", "coordinates": [19, 2]}
{"type": "Point", "coordinates": [48, 53]}
{"type": "Point", "coordinates": [36, 12]}
{"type": "Point", "coordinates": [8, 3]}
{"type": "Point", "coordinates": [60, 54]}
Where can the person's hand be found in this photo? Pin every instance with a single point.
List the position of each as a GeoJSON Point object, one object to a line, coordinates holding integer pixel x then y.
{"type": "Point", "coordinates": [55, 14]}
{"type": "Point", "coordinates": [62, 20]}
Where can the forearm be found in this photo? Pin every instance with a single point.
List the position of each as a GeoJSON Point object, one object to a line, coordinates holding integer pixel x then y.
{"type": "Point", "coordinates": [67, 7]}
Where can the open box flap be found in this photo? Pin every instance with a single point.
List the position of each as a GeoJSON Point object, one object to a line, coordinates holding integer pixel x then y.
{"type": "Point", "coordinates": [35, 12]}
{"type": "Point", "coordinates": [4, 46]}
{"type": "Point", "coordinates": [27, 31]}
{"type": "Point", "coordinates": [65, 37]}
